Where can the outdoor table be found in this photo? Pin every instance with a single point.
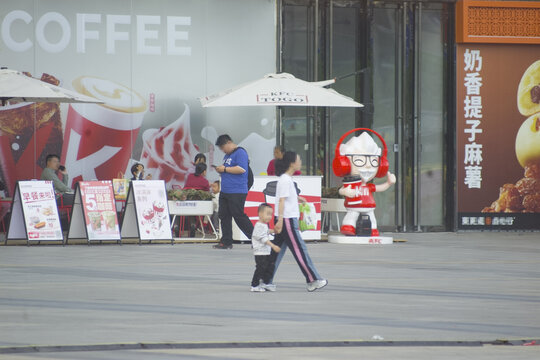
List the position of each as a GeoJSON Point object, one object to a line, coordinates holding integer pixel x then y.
{"type": "Point", "coordinates": [331, 206]}
{"type": "Point", "coordinates": [200, 209]}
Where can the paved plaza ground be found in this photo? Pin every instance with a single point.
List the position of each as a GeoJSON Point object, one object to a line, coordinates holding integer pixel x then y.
{"type": "Point", "coordinates": [435, 296]}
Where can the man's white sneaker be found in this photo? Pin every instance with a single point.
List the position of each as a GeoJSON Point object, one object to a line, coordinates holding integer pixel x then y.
{"type": "Point", "coordinates": [257, 289]}
{"type": "Point", "coordinates": [268, 287]}
{"type": "Point", "coordinates": [316, 284]}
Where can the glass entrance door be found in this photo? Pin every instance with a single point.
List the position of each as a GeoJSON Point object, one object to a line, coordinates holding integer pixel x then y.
{"type": "Point", "coordinates": [412, 97]}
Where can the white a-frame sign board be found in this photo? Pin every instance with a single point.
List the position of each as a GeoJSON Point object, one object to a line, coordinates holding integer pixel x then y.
{"type": "Point", "coordinates": [34, 215]}
{"type": "Point", "coordinates": [146, 214]}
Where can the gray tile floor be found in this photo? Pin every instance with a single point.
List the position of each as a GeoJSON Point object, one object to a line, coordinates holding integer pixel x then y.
{"type": "Point", "coordinates": [472, 287]}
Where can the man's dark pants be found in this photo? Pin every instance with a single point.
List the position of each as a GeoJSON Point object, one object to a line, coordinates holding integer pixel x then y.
{"type": "Point", "coordinates": [232, 206]}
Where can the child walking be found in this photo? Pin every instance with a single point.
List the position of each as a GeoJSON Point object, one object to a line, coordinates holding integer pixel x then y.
{"type": "Point", "coordinates": [262, 247]}
{"type": "Point", "coordinates": [286, 221]}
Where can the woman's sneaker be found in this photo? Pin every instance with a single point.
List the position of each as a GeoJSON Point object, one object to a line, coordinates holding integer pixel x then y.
{"type": "Point", "coordinates": [317, 284]}
{"type": "Point", "coordinates": [257, 289]}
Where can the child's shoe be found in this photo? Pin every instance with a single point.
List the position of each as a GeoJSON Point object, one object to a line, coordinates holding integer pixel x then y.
{"type": "Point", "coordinates": [268, 287]}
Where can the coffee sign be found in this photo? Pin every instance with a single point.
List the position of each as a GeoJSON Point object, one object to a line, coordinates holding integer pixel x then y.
{"type": "Point", "coordinates": [94, 27]}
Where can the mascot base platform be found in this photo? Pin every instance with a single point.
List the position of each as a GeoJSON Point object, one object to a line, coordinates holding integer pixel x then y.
{"type": "Point", "coordinates": [360, 240]}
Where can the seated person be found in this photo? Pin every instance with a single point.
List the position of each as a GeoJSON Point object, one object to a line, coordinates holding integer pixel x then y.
{"type": "Point", "coordinates": [200, 158]}
{"type": "Point", "coordinates": [198, 180]}
{"type": "Point", "coordinates": [279, 150]}
{"type": "Point", "coordinates": [64, 194]}
{"type": "Point", "coordinates": [137, 171]}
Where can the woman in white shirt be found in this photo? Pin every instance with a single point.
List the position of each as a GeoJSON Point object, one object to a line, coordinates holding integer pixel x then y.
{"type": "Point", "coordinates": [286, 220]}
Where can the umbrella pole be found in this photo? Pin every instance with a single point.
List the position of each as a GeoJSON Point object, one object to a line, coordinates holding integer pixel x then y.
{"type": "Point", "coordinates": [279, 132]}
{"type": "Point", "coordinates": [351, 74]}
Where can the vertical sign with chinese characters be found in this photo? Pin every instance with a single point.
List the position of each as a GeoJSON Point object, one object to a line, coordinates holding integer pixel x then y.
{"type": "Point", "coordinates": [35, 215]}
{"type": "Point", "coordinates": [498, 136]}
{"type": "Point", "coordinates": [99, 208]}
{"type": "Point", "coordinates": [472, 112]}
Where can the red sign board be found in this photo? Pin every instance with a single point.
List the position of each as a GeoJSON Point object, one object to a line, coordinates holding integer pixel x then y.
{"type": "Point", "coordinates": [97, 198]}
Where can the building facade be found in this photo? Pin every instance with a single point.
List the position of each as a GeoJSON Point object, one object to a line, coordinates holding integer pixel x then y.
{"type": "Point", "coordinates": [404, 60]}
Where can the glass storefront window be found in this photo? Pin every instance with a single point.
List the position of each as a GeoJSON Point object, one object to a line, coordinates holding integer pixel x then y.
{"type": "Point", "coordinates": [399, 54]}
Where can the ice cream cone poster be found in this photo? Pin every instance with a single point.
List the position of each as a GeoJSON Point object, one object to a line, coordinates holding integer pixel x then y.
{"type": "Point", "coordinates": [39, 212]}
{"type": "Point", "coordinates": [498, 136]}
{"type": "Point", "coordinates": [97, 198]}
{"type": "Point", "coordinates": [152, 209]}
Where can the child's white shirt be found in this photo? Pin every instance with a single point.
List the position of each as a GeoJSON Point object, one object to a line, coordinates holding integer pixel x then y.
{"type": "Point", "coordinates": [259, 238]}
{"type": "Point", "coordinates": [215, 201]}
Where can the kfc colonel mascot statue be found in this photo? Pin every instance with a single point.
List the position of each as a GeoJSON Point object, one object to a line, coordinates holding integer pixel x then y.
{"type": "Point", "coordinates": [358, 161]}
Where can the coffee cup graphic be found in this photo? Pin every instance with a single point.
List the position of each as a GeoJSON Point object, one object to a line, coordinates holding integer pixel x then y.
{"type": "Point", "coordinates": [99, 138]}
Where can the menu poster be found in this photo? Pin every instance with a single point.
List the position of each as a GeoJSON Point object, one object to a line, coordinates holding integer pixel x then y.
{"type": "Point", "coordinates": [95, 199]}
{"type": "Point", "coordinates": [147, 200]}
{"type": "Point", "coordinates": [498, 137]}
{"type": "Point", "coordinates": [35, 215]}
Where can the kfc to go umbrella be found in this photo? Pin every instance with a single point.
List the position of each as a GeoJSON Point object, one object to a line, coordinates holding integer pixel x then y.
{"type": "Point", "coordinates": [280, 90]}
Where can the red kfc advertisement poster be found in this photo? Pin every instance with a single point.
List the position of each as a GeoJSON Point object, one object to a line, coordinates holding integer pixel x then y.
{"type": "Point", "coordinates": [498, 136]}
{"type": "Point", "coordinates": [99, 209]}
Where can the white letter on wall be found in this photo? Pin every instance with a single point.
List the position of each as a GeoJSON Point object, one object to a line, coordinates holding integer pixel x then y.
{"type": "Point", "coordinates": [173, 35]}
{"type": "Point", "coordinates": [65, 31]}
{"type": "Point", "coordinates": [143, 34]}
{"type": "Point", "coordinates": [6, 30]}
{"type": "Point", "coordinates": [112, 34]}
{"type": "Point", "coordinates": [82, 33]}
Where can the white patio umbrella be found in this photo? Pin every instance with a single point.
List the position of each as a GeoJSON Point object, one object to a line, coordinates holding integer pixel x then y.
{"type": "Point", "coordinates": [280, 90]}
{"type": "Point", "coordinates": [16, 86]}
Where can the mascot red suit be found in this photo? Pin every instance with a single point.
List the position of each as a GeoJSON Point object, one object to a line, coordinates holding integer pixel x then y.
{"type": "Point", "coordinates": [359, 161]}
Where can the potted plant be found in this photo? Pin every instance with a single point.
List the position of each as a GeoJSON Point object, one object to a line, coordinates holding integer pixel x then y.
{"type": "Point", "coordinates": [189, 194]}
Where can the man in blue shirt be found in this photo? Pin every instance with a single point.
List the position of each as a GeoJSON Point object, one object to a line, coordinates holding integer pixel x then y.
{"type": "Point", "coordinates": [234, 189]}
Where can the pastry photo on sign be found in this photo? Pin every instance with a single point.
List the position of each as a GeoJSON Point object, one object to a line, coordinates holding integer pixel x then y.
{"type": "Point", "coordinates": [528, 96]}
{"type": "Point", "coordinates": [524, 195]}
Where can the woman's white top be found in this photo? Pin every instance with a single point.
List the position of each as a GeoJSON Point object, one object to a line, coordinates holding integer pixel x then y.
{"type": "Point", "coordinates": [286, 189]}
